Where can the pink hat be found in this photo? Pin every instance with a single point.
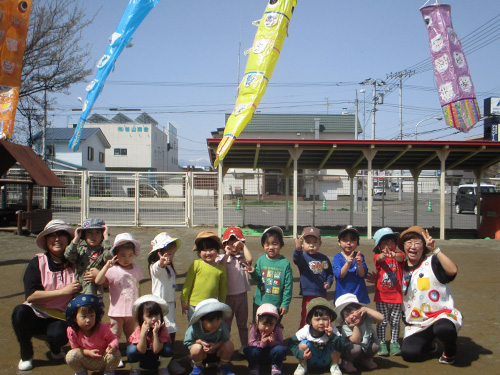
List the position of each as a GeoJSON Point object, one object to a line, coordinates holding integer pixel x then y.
{"type": "Point", "coordinates": [267, 309]}
{"type": "Point", "coordinates": [233, 231]}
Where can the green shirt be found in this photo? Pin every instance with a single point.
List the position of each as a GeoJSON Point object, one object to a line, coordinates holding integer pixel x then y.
{"type": "Point", "coordinates": [274, 281]}
{"type": "Point", "coordinates": [204, 281]}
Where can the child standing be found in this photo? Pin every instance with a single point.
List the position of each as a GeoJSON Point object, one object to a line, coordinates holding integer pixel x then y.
{"type": "Point", "coordinates": [389, 263]}
{"type": "Point", "coordinates": [207, 337]}
{"type": "Point", "coordinates": [163, 280]}
{"type": "Point", "coordinates": [150, 346]}
{"type": "Point", "coordinates": [89, 258]}
{"type": "Point", "coordinates": [236, 258]}
{"type": "Point", "coordinates": [93, 346]}
{"type": "Point", "coordinates": [357, 326]}
{"type": "Point", "coordinates": [266, 341]}
{"type": "Point", "coordinates": [316, 274]}
{"type": "Point", "coordinates": [123, 276]}
{"type": "Point", "coordinates": [272, 273]}
{"type": "Point", "coordinates": [205, 278]}
{"type": "Point", "coordinates": [349, 266]}
{"type": "Point", "coordinates": [318, 343]}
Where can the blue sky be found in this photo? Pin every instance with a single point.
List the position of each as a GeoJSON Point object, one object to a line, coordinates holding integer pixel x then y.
{"type": "Point", "coordinates": [183, 67]}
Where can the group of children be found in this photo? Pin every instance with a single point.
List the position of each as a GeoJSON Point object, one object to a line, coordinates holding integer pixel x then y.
{"type": "Point", "coordinates": [215, 292]}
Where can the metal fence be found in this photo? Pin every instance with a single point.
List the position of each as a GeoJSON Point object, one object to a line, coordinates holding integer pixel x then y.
{"type": "Point", "coordinates": [249, 199]}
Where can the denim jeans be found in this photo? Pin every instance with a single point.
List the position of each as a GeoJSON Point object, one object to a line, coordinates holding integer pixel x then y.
{"type": "Point", "coordinates": [148, 360]}
{"type": "Point", "coordinates": [274, 355]}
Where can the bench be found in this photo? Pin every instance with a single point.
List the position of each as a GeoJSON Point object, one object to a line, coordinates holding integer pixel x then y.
{"type": "Point", "coordinates": [34, 221]}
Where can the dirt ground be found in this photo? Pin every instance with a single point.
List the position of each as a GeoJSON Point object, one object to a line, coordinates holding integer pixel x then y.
{"type": "Point", "coordinates": [476, 291]}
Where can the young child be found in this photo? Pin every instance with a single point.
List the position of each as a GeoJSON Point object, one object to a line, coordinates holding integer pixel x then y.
{"type": "Point", "coordinates": [389, 263]}
{"type": "Point", "coordinates": [150, 346]}
{"type": "Point", "coordinates": [89, 258]}
{"type": "Point", "coordinates": [123, 276]}
{"type": "Point", "coordinates": [266, 341]}
{"type": "Point", "coordinates": [349, 266]}
{"type": "Point", "coordinates": [93, 346]}
{"type": "Point", "coordinates": [163, 280]}
{"type": "Point", "coordinates": [207, 337]}
{"type": "Point", "coordinates": [236, 258]}
{"type": "Point", "coordinates": [316, 274]}
{"type": "Point", "coordinates": [205, 278]}
{"type": "Point", "coordinates": [272, 273]}
{"type": "Point", "coordinates": [357, 326]}
{"type": "Point", "coordinates": [318, 344]}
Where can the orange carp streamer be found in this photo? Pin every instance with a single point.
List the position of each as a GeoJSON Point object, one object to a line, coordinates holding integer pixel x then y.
{"type": "Point", "coordinates": [14, 19]}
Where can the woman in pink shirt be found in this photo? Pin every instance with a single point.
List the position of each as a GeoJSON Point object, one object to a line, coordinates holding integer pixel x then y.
{"type": "Point", "coordinates": [93, 346]}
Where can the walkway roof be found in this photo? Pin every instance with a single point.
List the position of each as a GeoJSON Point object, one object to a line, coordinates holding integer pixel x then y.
{"type": "Point", "coordinates": [350, 154]}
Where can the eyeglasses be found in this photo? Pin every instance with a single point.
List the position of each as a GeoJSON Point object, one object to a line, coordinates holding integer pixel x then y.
{"type": "Point", "coordinates": [413, 243]}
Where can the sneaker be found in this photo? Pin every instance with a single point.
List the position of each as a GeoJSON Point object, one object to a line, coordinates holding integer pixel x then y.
{"type": "Point", "coordinates": [121, 364]}
{"type": "Point", "coordinates": [56, 356]}
{"type": "Point", "coordinates": [197, 370]}
{"type": "Point", "coordinates": [224, 370]}
{"type": "Point", "coordinates": [275, 370]}
{"type": "Point", "coordinates": [383, 352]}
{"type": "Point", "coordinates": [369, 363]}
{"type": "Point", "coordinates": [446, 360]}
{"type": "Point", "coordinates": [135, 371]}
{"type": "Point", "coordinates": [335, 369]}
{"type": "Point", "coordinates": [176, 368]}
{"type": "Point", "coordinates": [163, 371]}
{"type": "Point", "coordinates": [25, 365]}
{"type": "Point", "coordinates": [347, 366]}
{"type": "Point", "coordinates": [254, 370]}
{"type": "Point", "coordinates": [395, 348]}
{"type": "Point", "coordinates": [301, 369]}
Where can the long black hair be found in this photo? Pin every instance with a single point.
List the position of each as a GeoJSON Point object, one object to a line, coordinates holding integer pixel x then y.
{"type": "Point", "coordinates": [152, 308]}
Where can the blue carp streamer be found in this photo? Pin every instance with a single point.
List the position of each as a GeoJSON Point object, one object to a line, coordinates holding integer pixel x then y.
{"type": "Point", "coordinates": [134, 14]}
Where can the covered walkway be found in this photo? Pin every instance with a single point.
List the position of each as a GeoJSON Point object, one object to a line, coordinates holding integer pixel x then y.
{"type": "Point", "coordinates": [290, 155]}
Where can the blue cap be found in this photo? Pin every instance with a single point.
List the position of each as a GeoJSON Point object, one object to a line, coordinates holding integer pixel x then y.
{"type": "Point", "coordinates": [384, 232]}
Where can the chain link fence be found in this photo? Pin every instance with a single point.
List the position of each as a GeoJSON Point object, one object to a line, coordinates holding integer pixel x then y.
{"type": "Point", "coordinates": [249, 199]}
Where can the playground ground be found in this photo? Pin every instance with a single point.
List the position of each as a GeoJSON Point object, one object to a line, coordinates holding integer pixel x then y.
{"type": "Point", "coordinates": [476, 291]}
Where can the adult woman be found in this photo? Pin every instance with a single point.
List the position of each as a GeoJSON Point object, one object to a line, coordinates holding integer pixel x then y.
{"type": "Point", "coordinates": [427, 300]}
{"type": "Point", "coordinates": [49, 285]}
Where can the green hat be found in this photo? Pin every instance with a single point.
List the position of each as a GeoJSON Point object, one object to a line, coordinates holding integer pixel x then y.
{"type": "Point", "coordinates": [319, 302]}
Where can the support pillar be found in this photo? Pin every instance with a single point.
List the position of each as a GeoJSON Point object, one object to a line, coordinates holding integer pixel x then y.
{"type": "Point", "coordinates": [295, 154]}
{"type": "Point", "coordinates": [443, 155]}
{"type": "Point", "coordinates": [369, 155]}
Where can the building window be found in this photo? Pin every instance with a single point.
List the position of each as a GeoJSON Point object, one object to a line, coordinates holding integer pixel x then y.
{"type": "Point", "coordinates": [101, 157]}
{"type": "Point", "coordinates": [90, 153]}
{"type": "Point", "coordinates": [146, 129]}
{"type": "Point", "coordinates": [120, 128]}
{"type": "Point", "coordinates": [120, 152]}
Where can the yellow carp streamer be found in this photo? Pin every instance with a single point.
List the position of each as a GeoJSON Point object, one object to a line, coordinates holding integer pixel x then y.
{"type": "Point", "coordinates": [14, 19]}
{"type": "Point", "coordinates": [263, 57]}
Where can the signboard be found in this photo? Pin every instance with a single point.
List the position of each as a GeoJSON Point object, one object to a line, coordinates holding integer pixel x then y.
{"type": "Point", "coordinates": [492, 106]}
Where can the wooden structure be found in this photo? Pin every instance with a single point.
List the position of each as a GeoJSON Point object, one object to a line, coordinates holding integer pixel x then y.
{"type": "Point", "coordinates": [28, 219]}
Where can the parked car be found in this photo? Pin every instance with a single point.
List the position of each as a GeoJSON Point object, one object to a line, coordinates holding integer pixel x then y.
{"type": "Point", "coordinates": [379, 190]}
{"type": "Point", "coordinates": [152, 191]}
{"type": "Point", "coordinates": [394, 188]}
{"type": "Point", "coordinates": [465, 199]}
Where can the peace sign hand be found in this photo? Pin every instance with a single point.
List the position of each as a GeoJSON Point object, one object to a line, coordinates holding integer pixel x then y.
{"type": "Point", "coordinates": [429, 241]}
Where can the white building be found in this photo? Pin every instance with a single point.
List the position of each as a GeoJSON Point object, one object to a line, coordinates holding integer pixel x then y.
{"type": "Point", "coordinates": [138, 145]}
{"type": "Point", "coordinates": [90, 154]}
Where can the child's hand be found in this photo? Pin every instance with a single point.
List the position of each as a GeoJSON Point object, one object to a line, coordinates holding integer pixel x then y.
{"type": "Point", "coordinates": [350, 259]}
{"type": "Point", "coordinates": [298, 242]}
{"type": "Point", "coordinates": [164, 260]}
{"type": "Point", "coordinates": [105, 234]}
{"type": "Point", "coordinates": [110, 263]}
{"type": "Point", "coordinates": [283, 311]}
{"type": "Point", "coordinates": [329, 328]}
{"type": "Point", "coordinates": [184, 307]}
{"type": "Point", "coordinates": [157, 327]}
{"type": "Point", "coordinates": [371, 277]}
{"type": "Point", "coordinates": [90, 275]}
{"type": "Point", "coordinates": [429, 241]}
{"type": "Point", "coordinates": [358, 258]}
{"type": "Point", "coordinates": [144, 328]}
{"type": "Point", "coordinates": [93, 353]}
{"type": "Point", "coordinates": [326, 286]}
{"type": "Point", "coordinates": [307, 354]}
{"type": "Point", "coordinates": [249, 268]}
{"type": "Point", "coordinates": [207, 346]}
{"type": "Point", "coordinates": [78, 235]}
{"type": "Point", "coordinates": [111, 349]}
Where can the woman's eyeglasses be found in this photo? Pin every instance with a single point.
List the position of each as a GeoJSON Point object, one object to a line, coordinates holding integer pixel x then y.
{"type": "Point", "coordinates": [413, 243]}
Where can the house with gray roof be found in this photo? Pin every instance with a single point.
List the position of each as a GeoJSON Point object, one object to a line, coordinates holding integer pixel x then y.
{"type": "Point", "coordinates": [90, 155]}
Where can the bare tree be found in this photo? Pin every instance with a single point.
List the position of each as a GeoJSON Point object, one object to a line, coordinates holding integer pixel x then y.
{"type": "Point", "coordinates": [54, 58]}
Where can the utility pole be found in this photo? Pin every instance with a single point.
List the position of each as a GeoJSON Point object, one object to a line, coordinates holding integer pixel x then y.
{"type": "Point", "coordinates": [376, 99]}
{"type": "Point", "coordinates": [400, 75]}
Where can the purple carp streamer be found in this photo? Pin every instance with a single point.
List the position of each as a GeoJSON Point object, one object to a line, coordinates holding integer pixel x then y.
{"type": "Point", "coordinates": [263, 57]}
{"type": "Point", "coordinates": [132, 17]}
{"type": "Point", "coordinates": [456, 91]}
